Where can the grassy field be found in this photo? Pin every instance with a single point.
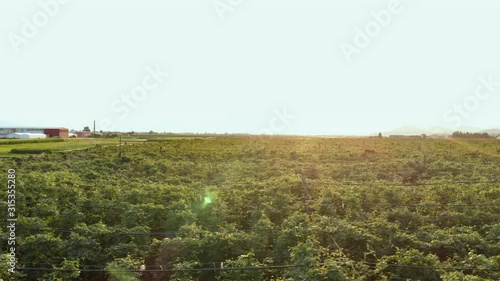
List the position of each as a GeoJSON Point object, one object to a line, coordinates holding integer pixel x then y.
{"type": "Point", "coordinates": [6, 146]}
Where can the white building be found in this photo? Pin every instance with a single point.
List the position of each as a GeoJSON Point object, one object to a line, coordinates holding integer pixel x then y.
{"type": "Point", "coordinates": [26, 136]}
{"type": "Point", "coordinates": [6, 131]}
{"type": "Point", "coordinates": [48, 131]}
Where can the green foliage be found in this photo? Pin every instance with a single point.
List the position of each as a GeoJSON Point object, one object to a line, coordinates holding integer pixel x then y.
{"type": "Point", "coordinates": [409, 264]}
{"type": "Point", "coordinates": [326, 209]}
{"type": "Point", "coordinates": [245, 264]}
{"type": "Point", "coordinates": [22, 141]}
{"type": "Point", "coordinates": [123, 269]}
{"type": "Point", "coordinates": [5, 274]}
{"type": "Point", "coordinates": [68, 270]}
{"type": "Point", "coordinates": [316, 263]}
{"type": "Point", "coordinates": [28, 151]}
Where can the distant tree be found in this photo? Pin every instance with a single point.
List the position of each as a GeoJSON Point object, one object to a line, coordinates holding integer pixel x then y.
{"type": "Point", "coordinates": [86, 129]}
{"type": "Point", "coordinates": [380, 134]}
{"type": "Point", "coordinates": [468, 135]}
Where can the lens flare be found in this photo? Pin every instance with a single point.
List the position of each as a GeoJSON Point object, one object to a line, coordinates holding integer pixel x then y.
{"type": "Point", "coordinates": [207, 200]}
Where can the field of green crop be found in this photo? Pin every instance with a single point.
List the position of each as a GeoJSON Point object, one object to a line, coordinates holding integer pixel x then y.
{"type": "Point", "coordinates": [258, 208]}
{"type": "Point", "coordinates": [6, 146]}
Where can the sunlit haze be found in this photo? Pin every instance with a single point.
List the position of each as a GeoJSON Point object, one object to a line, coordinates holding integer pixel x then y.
{"type": "Point", "coordinates": [276, 67]}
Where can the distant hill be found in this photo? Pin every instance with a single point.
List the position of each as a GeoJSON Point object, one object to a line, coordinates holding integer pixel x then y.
{"type": "Point", "coordinates": [491, 132]}
{"type": "Point", "coordinates": [413, 130]}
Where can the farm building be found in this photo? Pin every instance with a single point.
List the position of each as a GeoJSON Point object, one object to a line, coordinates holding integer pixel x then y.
{"type": "Point", "coordinates": [82, 134]}
{"type": "Point", "coordinates": [49, 132]}
{"type": "Point", "coordinates": [56, 132]}
{"type": "Point", "coordinates": [422, 136]}
{"type": "Point", "coordinates": [26, 136]}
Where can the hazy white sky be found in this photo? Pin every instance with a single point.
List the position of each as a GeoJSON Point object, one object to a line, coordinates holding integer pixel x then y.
{"type": "Point", "coordinates": [273, 66]}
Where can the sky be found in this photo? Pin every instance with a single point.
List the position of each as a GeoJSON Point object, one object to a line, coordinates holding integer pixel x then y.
{"type": "Point", "coordinates": [318, 67]}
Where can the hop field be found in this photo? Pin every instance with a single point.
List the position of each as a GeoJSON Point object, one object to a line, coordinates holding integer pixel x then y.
{"type": "Point", "coordinates": [260, 208]}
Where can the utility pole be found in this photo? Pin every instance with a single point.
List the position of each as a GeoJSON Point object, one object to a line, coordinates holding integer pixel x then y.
{"type": "Point", "coordinates": [94, 129]}
{"type": "Point", "coordinates": [120, 148]}
{"type": "Point", "coordinates": [306, 194]}
{"type": "Point", "coordinates": [306, 206]}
